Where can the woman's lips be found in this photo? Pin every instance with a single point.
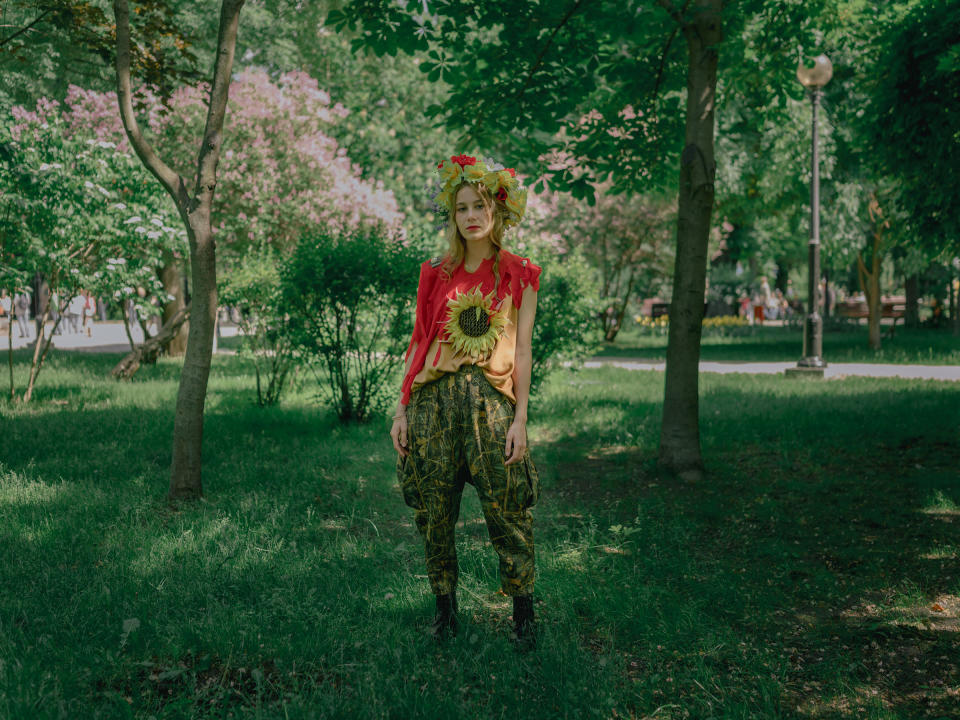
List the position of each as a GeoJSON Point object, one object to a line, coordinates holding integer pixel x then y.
{"type": "Point", "coordinates": [473, 227]}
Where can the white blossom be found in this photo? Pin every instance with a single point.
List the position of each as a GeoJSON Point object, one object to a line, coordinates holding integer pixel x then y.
{"type": "Point", "coordinates": [140, 230]}
{"type": "Point", "coordinates": [88, 184]}
{"type": "Point", "coordinates": [119, 206]}
{"type": "Point", "coordinates": [153, 234]}
{"type": "Point", "coordinates": [157, 221]}
{"type": "Point", "coordinates": [134, 219]}
{"type": "Point", "coordinates": [44, 167]}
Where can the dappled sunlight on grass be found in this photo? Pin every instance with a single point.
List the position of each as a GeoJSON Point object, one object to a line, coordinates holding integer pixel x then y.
{"type": "Point", "coordinates": [826, 525]}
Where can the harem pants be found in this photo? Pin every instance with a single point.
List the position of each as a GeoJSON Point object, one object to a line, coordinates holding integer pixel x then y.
{"type": "Point", "coordinates": [456, 432]}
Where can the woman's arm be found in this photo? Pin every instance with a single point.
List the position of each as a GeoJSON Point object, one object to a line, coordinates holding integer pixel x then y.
{"type": "Point", "coordinates": [399, 430]}
{"type": "Point", "coordinates": [522, 363]}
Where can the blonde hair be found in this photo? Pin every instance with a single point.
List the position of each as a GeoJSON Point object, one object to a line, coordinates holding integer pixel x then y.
{"type": "Point", "coordinates": [457, 244]}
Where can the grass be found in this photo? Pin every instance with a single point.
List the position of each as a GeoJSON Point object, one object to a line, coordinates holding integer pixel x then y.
{"type": "Point", "coordinates": [813, 574]}
{"type": "Point", "coordinates": [784, 344]}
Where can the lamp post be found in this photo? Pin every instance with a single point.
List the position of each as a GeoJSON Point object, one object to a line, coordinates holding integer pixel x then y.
{"type": "Point", "coordinates": [812, 364]}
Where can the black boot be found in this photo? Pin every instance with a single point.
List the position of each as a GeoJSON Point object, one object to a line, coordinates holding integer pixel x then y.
{"type": "Point", "coordinates": [445, 621]}
{"type": "Point", "coordinates": [523, 627]}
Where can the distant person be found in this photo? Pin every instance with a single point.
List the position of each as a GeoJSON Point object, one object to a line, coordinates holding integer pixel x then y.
{"type": "Point", "coordinates": [758, 308]}
{"type": "Point", "coordinates": [77, 304]}
{"type": "Point", "coordinates": [6, 305]}
{"type": "Point", "coordinates": [462, 413]}
{"type": "Point", "coordinates": [21, 313]}
{"type": "Point", "coordinates": [89, 310]}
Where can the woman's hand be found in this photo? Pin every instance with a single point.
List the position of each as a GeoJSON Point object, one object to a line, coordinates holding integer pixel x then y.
{"type": "Point", "coordinates": [516, 442]}
{"type": "Point", "coordinates": [399, 434]}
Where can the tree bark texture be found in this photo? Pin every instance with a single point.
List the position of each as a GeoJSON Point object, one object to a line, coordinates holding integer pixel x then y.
{"type": "Point", "coordinates": [954, 315]}
{"type": "Point", "coordinates": [680, 432]}
{"type": "Point", "coordinates": [173, 285]}
{"type": "Point", "coordinates": [911, 313]}
{"type": "Point", "coordinates": [149, 350]}
{"type": "Point", "coordinates": [870, 279]}
{"type": "Point", "coordinates": [195, 209]}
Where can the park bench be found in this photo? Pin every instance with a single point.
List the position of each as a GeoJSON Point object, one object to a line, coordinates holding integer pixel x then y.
{"type": "Point", "coordinates": [893, 309]}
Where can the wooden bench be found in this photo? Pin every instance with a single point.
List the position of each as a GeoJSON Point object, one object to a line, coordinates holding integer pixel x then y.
{"type": "Point", "coordinates": [856, 310]}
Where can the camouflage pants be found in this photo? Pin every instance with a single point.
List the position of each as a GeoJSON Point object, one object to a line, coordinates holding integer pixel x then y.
{"type": "Point", "coordinates": [456, 432]}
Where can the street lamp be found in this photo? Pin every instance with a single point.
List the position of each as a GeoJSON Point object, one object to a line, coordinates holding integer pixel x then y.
{"type": "Point", "coordinates": [812, 361]}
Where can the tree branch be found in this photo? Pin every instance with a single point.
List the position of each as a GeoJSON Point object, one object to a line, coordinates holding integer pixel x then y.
{"type": "Point", "coordinates": [539, 61]}
{"type": "Point", "coordinates": [663, 58]}
{"type": "Point", "coordinates": [209, 154]}
{"type": "Point", "coordinates": [24, 29]}
{"type": "Point", "coordinates": [672, 9]}
{"type": "Point", "coordinates": [171, 180]}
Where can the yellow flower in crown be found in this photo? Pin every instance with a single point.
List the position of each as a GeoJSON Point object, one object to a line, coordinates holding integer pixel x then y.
{"type": "Point", "coordinates": [449, 172]}
{"type": "Point", "coordinates": [474, 173]}
{"type": "Point", "coordinates": [517, 202]}
{"type": "Point", "coordinates": [473, 326]}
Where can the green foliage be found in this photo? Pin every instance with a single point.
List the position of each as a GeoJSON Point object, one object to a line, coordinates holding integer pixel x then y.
{"type": "Point", "coordinates": [913, 125]}
{"type": "Point", "coordinates": [350, 301]}
{"type": "Point", "coordinates": [566, 326]}
{"type": "Point", "coordinates": [253, 288]}
{"type": "Point", "coordinates": [727, 286]}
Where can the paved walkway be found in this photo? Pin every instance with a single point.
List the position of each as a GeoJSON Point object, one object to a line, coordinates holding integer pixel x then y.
{"type": "Point", "coordinates": [110, 337]}
{"type": "Point", "coordinates": [104, 337]}
{"type": "Point", "coordinates": [833, 370]}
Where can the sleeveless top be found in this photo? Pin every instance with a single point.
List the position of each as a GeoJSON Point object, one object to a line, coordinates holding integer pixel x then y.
{"type": "Point", "coordinates": [443, 334]}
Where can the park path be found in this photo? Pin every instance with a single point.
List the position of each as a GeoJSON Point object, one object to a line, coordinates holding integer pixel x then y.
{"type": "Point", "coordinates": [833, 370]}
{"type": "Point", "coordinates": [110, 337]}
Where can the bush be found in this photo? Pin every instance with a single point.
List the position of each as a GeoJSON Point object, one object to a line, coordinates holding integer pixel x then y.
{"type": "Point", "coordinates": [350, 298]}
{"type": "Point", "coordinates": [566, 324]}
{"type": "Point", "coordinates": [253, 288]}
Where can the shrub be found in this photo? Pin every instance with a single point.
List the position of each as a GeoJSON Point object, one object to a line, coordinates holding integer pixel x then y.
{"type": "Point", "coordinates": [567, 305]}
{"type": "Point", "coordinates": [350, 298]}
{"type": "Point", "coordinates": [253, 288]}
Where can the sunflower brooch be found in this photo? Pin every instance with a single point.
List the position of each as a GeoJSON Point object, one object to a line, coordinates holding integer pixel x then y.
{"type": "Point", "coordinates": [473, 326]}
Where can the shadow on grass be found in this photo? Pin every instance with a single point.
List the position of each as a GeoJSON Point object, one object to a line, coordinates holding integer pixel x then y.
{"type": "Point", "coordinates": [827, 532]}
{"type": "Point", "coordinates": [801, 579]}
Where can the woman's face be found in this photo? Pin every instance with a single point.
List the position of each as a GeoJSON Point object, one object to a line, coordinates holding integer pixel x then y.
{"type": "Point", "coordinates": [474, 218]}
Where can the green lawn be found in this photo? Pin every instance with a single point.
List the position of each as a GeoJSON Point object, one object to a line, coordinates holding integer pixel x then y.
{"type": "Point", "coordinates": [813, 574]}
{"type": "Point", "coordinates": [781, 344]}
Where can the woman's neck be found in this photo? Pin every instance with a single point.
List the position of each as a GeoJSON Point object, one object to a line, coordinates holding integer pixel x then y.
{"type": "Point", "coordinates": [476, 251]}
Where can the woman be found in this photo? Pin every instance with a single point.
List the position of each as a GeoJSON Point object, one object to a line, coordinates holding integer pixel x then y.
{"type": "Point", "coordinates": [462, 413]}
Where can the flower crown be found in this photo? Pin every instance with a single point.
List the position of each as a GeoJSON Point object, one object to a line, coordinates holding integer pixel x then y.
{"type": "Point", "coordinates": [502, 182]}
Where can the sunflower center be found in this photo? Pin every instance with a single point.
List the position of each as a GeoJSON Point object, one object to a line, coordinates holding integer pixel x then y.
{"type": "Point", "coordinates": [474, 321]}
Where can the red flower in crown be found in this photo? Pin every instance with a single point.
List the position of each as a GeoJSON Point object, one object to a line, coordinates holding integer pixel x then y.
{"type": "Point", "coordinates": [463, 160]}
{"type": "Point", "coordinates": [513, 173]}
{"type": "Point", "coordinates": [502, 195]}
{"type": "Point", "coordinates": [439, 164]}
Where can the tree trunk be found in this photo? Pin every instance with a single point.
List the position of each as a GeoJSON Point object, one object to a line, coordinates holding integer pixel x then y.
{"type": "Point", "coordinates": [954, 306]}
{"type": "Point", "coordinates": [185, 472]}
{"type": "Point", "coordinates": [173, 285]}
{"type": "Point", "coordinates": [194, 208]}
{"type": "Point", "coordinates": [680, 432]}
{"type": "Point", "coordinates": [13, 389]}
{"type": "Point", "coordinates": [911, 313]}
{"type": "Point", "coordinates": [870, 279]}
{"type": "Point", "coordinates": [148, 351]}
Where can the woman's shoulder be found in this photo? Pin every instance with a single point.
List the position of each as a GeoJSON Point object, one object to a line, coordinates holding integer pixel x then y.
{"type": "Point", "coordinates": [519, 273]}
{"type": "Point", "coordinates": [513, 261]}
{"type": "Point", "coordinates": [432, 267]}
